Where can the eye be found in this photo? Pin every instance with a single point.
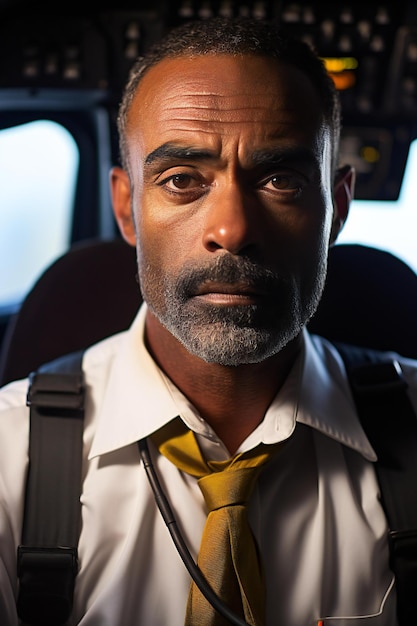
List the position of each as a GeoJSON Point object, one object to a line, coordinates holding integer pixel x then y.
{"type": "Point", "coordinates": [182, 185]}
{"type": "Point", "coordinates": [288, 183]}
{"type": "Point", "coordinates": [179, 181]}
{"type": "Point", "coordinates": [282, 182]}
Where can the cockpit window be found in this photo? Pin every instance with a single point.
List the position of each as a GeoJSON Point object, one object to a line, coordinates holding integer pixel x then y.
{"type": "Point", "coordinates": [38, 172]}
{"type": "Point", "coordinates": [387, 225]}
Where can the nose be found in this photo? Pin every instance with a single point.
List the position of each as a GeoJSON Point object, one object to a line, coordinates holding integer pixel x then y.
{"type": "Point", "coordinates": [232, 221]}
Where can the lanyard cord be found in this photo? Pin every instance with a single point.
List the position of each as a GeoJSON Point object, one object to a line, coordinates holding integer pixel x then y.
{"type": "Point", "coordinates": [169, 519]}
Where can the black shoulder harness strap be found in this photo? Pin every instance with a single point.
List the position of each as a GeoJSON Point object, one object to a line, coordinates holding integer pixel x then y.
{"type": "Point", "coordinates": [390, 423]}
{"type": "Point", "coordinates": [47, 558]}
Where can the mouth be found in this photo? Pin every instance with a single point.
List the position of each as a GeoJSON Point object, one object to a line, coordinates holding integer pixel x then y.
{"type": "Point", "coordinates": [229, 294]}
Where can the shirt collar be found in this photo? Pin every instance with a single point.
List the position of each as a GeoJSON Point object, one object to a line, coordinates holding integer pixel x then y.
{"type": "Point", "coordinates": [139, 399]}
{"type": "Point", "coordinates": [326, 402]}
{"type": "Point", "coordinates": [317, 394]}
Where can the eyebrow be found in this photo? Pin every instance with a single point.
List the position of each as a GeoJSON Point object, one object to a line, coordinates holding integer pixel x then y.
{"type": "Point", "coordinates": [268, 157]}
{"type": "Point", "coordinates": [169, 151]}
{"type": "Point", "coordinates": [276, 156]}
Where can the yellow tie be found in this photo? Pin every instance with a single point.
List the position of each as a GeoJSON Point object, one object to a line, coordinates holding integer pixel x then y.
{"type": "Point", "coordinates": [228, 554]}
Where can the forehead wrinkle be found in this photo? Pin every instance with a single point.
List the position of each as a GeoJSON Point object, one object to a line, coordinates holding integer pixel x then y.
{"type": "Point", "coordinates": [241, 114]}
{"type": "Point", "coordinates": [195, 104]}
{"type": "Point", "coordinates": [232, 107]}
{"type": "Point", "coordinates": [271, 130]}
{"type": "Point", "coordinates": [189, 124]}
{"type": "Point", "coordinates": [237, 91]}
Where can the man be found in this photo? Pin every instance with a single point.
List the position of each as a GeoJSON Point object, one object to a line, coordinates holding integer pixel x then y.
{"type": "Point", "coordinates": [230, 193]}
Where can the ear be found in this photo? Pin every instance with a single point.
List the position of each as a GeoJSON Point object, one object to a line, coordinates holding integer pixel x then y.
{"type": "Point", "coordinates": [343, 191]}
{"type": "Point", "coordinates": [122, 206]}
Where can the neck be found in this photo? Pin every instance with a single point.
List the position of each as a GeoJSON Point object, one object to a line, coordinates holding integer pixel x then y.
{"type": "Point", "coordinates": [233, 400]}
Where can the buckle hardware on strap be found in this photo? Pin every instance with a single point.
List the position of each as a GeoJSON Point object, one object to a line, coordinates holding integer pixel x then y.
{"type": "Point", "coordinates": [404, 540]}
{"type": "Point", "coordinates": [383, 377]}
{"type": "Point", "coordinates": [54, 558]}
{"type": "Point", "coordinates": [403, 562]}
{"type": "Point", "coordinates": [47, 577]}
{"type": "Point", "coordinates": [56, 391]}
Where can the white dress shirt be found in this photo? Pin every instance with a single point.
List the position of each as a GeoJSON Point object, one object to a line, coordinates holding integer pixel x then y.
{"type": "Point", "coordinates": [315, 511]}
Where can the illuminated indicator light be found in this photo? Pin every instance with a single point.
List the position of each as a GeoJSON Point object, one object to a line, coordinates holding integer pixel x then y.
{"type": "Point", "coordinates": [340, 64]}
{"type": "Point", "coordinates": [344, 80]}
{"type": "Point", "coordinates": [342, 71]}
{"type": "Point", "coordinates": [370, 154]}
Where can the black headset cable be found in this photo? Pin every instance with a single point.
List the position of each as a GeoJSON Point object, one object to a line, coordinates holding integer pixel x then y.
{"type": "Point", "coordinates": [169, 519]}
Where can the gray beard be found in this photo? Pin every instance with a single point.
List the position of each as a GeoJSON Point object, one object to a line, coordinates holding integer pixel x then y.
{"type": "Point", "coordinates": [234, 335]}
{"type": "Point", "coordinates": [226, 341]}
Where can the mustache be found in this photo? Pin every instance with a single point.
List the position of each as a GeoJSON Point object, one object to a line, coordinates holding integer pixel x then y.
{"type": "Point", "coordinates": [228, 270]}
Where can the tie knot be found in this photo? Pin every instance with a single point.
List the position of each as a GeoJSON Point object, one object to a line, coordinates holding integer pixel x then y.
{"type": "Point", "coordinates": [230, 487]}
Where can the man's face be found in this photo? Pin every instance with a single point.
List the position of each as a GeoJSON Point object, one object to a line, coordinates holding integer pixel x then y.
{"type": "Point", "coordinates": [231, 197]}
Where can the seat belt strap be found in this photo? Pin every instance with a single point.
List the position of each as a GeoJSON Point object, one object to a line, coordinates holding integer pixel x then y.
{"type": "Point", "coordinates": [390, 423]}
{"type": "Point", "coordinates": [47, 557]}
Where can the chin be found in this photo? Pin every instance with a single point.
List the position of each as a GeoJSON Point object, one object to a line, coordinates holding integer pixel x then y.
{"type": "Point", "coordinates": [234, 347]}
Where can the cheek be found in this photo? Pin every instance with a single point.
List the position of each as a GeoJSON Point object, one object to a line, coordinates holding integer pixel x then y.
{"type": "Point", "coordinates": [162, 245]}
{"type": "Point", "coordinates": [169, 235]}
{"type": "Point", "coordinates": [315, 252]}
{"type": "Point", "coordinates": [302, 239]}
{"type": "Point", "coordinates": [302, 225]}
